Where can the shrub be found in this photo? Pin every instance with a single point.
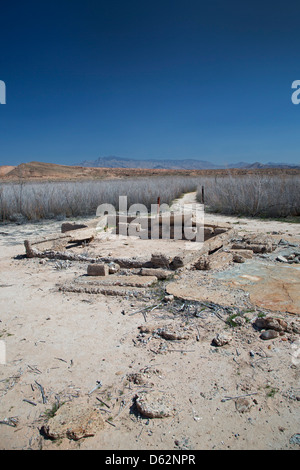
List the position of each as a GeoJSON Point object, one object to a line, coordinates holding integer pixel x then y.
{"type": "Point", "coordinates": [36, 201]}
{"type": "Point", "coordinates": [252, 195]}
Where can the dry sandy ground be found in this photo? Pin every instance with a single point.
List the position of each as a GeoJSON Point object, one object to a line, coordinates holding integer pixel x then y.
{"type": "Point", "coordinates": [66, 342]}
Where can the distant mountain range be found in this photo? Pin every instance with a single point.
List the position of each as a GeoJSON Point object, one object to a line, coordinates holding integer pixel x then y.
{"type": "Point", "coordinates": [168, 164]}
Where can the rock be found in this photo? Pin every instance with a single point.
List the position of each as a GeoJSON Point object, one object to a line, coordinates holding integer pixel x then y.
{"type": "Point", "coordinates": [242, 405]}
{"type": "Point", "coordinates": [282, 259]}
{"type": "Point", "coordinates": [154, 405]}
{"type": "Point", "coordinates": [113, 268]}
{"type": "Point", "coordinates": [221, 339]}
{"type": "Point", "coordinates": [159, 260]}
{"type": "Point", "coordinates": [202, 263]}
{"type": "Point", "coordinates": [178, 262]}
{"type": "Point", "coordinates": [269, 334]}
{"type": "Point", "coordinates": [270, 323]}
{"type": "Point", "coordinates": [97, 270]}
{"type": "Point", "coordinates": [169, 298]}
{"type": "Point", "coordinates": [238, 258]}
{"type": "Point", "coordinates": [74, 421]}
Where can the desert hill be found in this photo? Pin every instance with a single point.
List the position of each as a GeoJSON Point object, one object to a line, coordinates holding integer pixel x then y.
{"type": "Point", "coordinates": [4, 169]}
{"type": "Point", "coordinates": [40, 171]}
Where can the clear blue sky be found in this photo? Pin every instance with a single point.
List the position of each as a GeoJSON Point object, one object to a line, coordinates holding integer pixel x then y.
{"type": "Point", "coordinates": [149, 79]}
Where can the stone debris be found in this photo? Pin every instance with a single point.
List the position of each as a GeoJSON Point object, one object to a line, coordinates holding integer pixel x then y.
{"type": "Point", "coordinates": [154, 404]}
{"type": "Point", "coordinates": [238, 258]}
{"type": "Point", "coordinates": [218, 260]}
{"type": "Point", "coordinates": [276, 324]}
{"type": "Point", "coordinates": [159, 260]}
{"type": "Point", "coordinates": [74, 420]}
{"type": "Point", "coordinates": [269, 334]}
{"type": "Point", "coordinates": [246, 254]}
{"type": "Point", "coordinates": [113, 268]}
{"type": "Point", "coordinates": [117, 285]}
{"type": "Point", "coordinates": [202, 263]}
{"type": "Point", "coordinates": [221, 339]}
{"type": "Point", "coordinates": [158, 272]}
{"type": "Point", "coordinates": [258, 243]}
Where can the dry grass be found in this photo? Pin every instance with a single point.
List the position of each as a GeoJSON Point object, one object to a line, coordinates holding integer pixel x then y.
{"type": "Point", "coordinates": [35, 201]}
{"type": "Point", "coordinates": [252, 195]}
{"type": "Point", "coordinates": [256, 195]}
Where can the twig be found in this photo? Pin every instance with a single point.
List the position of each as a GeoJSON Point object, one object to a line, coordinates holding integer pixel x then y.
{"type": "Point", "coordinates": [34, 369]}
{"type": "Point", "coordinates": [101, 401]}
{"type": "Point", "coordinates": [109, 422]}
{"type": "Point", "coordinates": [59, 359]}
{"type": "Point", "coordinates": [181, 350]}
{"type": "Point", "coordinates": [30, 402]}
{"type": "Point", "coordinates": [239, 396]}
{"type": "Point", "coordinates": [42, 392]}
{"type": "Point", "coordinates": [150, 308]}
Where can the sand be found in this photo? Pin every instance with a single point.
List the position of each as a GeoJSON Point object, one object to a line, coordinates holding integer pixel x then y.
{"type": "Point", "coordinates": [67, 343]}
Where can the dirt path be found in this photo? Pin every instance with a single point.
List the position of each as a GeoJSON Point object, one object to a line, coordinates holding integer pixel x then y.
{"type": "Point", "coordinates": [67, 343]}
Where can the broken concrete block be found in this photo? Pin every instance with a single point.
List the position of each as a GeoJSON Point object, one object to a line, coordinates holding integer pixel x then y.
{"type": "Point", "coordinates": [82, 235]}
{"type": "Point", "coordinates": [247, 254]}
{"type": "Point", "coordinates": [97, 270]}
{"type": "Point", "coordinates": [260, 248]}
{"type": "Point", "coordinates": [159, 273]}
{"type": "Point", "coordinates": [159, 260]}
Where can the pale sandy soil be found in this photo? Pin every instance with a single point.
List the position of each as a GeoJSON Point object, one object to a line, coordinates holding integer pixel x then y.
{"type": "Point", "coordinates": [66, 342]}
